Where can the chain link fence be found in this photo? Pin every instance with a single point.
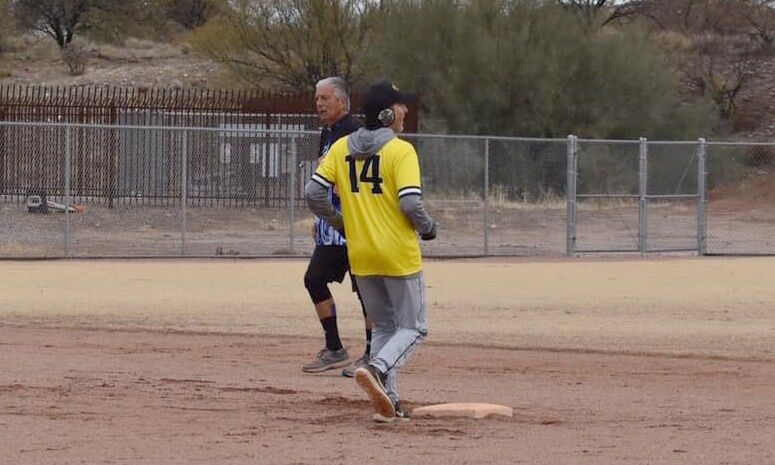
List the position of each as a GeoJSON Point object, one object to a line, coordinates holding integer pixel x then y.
{"type": "Point", "coordinates": [607, 196]}
{"type": "Point", "coordinates": [637, 196]}
{"type": "Point", "coordinates": [237, 190]}
{"type": "Point", "coordinates": [741, 199]}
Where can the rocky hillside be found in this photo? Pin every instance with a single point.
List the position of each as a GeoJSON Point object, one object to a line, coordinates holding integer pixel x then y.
{"type": "Point", "coordinates": [139, 63]}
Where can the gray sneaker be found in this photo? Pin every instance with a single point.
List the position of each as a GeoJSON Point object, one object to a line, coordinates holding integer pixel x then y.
{"type": "Point", "coordinates": [373, 383]}
{"type": "Point", "coordinates": [327, 359]}
{"type": "Point", "coordinates": [349, 370]}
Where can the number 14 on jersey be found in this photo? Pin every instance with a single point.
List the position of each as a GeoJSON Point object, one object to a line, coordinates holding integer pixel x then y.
{"type": "Point", "coordinates": [369, 164]}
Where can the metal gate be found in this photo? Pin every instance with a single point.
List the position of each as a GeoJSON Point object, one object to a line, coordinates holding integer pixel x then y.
{"type": "Point", "coordinates": [636, 196]}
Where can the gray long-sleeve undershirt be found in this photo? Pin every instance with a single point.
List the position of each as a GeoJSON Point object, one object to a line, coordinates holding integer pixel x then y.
{"type": "Point", "coordinates": [412, 207]}
{"type": "Point", "coordinates": [317, 200]}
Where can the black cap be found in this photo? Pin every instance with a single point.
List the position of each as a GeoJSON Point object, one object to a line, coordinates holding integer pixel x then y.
{"type": "Point", "coordinates": [379, 97]}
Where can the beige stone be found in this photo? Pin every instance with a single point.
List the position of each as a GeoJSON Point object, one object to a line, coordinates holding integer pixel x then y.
{"type": "Point", "coordinates": [466, 409]}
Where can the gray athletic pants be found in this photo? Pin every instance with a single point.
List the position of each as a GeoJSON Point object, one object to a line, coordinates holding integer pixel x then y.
{"type": "Point", "coordinates": [396, 307]}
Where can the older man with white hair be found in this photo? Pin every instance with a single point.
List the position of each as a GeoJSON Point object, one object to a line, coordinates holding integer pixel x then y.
{"type": "Point", "coordinates": [329, 261]}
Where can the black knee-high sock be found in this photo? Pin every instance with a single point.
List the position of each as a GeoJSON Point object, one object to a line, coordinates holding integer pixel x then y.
{"type": "Point", "coordinates": [368, 342]}
{"type": "Point", "coordinates": [332, 333]}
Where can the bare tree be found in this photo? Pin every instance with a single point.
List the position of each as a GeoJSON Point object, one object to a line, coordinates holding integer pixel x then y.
{"type": "Point", "coordinates": [293, 43]}
{"type": "Point", "coordinates": [60, 19]}
{"type": "Point", "coordinates": [194, 13]}
{"type": "Point", "coordinates": [720, 72]}
{"type": "Point", "coordinates": [722, 58]}
{"type": "Point", "coordinates": [602, 12]}
{"type": "Point", "coordinates": [691, 16]}
{"type": "Point", "coordinates": [760, 16]}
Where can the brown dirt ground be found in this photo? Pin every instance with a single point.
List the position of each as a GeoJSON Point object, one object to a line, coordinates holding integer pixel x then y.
{"type": "Point", "coordinates": [618, 361]}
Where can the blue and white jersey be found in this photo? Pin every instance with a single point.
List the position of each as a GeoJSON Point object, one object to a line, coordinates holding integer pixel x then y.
{"type": "Point", "coordinates": [325, 234]}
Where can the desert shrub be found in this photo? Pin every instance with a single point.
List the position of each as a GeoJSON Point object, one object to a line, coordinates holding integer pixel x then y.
{"type": "Point", "coordinates": [289, 44]}
{"type": "Point", "coordinates": [76, 57]}
{"type": "Point", "coordinates": [5, 23]}
{"type": "Point", "coordinates": [531, 68]}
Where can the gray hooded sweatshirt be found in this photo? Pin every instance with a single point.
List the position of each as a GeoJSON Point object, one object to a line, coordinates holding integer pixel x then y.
{"type": "Point", "coordinates": [362, 144]}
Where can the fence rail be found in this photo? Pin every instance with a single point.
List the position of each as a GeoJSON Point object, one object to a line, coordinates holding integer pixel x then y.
{"type": "Point", "coordinates": [236, 189]}
{"type": "Point", "coordinates": [182, 107]}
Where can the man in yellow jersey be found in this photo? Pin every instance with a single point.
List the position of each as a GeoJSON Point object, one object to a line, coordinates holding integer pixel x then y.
{"type": "Point", "coordinates": [378, 176]}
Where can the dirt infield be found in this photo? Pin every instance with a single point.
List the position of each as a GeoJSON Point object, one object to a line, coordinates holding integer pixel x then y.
{"type": "Point", "coordinates": [622, 361]}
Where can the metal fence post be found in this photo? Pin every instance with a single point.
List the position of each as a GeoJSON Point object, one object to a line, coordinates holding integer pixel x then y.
{"type": "Point", "coordinates": [570, 189]}
{"type": "Point", "coordinates": [486, 196]}
{"type": "Point", "coordinates": [702, 204]}
{"type": "Point", "coordinates": [292, 228]}
{"type": "Point", "coordinates": [67, 191]}
{"type": "Point", "coordinates": [184, 191]}
{"type": "Point", "coordinates": [642, 199]}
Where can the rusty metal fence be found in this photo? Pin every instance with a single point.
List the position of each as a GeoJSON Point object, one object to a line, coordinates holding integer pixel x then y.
{"type": "Point", "coordinates": [139, 166]}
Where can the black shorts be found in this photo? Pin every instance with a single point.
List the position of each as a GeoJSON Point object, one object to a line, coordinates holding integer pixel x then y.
{"type": "Point", "coordinates": [329, 263]}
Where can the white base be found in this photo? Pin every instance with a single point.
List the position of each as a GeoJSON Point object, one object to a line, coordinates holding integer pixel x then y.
{"type": "Point", "coordinates": [467, 410]}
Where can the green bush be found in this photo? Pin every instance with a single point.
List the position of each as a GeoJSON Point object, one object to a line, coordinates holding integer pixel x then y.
{"type": "Point", "coordinates": [531, 68]}
{"type": "Point", "coordinates": [5, 23]}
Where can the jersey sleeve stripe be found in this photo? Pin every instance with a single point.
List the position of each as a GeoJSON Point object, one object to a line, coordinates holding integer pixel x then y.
{"type": "Point", "coordinates": [322, 181]}
{"type": "Point", "coordinates": [409, 190]}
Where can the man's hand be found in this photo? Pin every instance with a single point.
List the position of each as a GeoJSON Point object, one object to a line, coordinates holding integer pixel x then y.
{"type": "Point", "coordinates": [430, 235]}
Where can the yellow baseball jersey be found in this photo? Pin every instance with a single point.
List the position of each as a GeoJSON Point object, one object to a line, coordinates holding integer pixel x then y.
{"type": "Point", "coordinates": [381, 241]}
